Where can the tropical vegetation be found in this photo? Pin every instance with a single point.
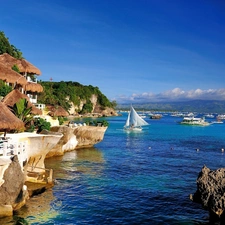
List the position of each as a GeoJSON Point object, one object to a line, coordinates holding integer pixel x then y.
{"type": "Point", "coordinates": [62, 93]}
{"type": "Point", "coordinates": [4, 89]}
{"type": "Point", "coordinates": [55, 93]}
{"type": "Point", "coordinates": [22, 111]}
{"type": "Point", "coordinates": [6, 47]}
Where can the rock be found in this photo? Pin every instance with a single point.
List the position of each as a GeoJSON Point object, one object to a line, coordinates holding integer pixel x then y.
{"type": "Point", "coordinates": [67, 143]}
{"type": "Point", "coordinates": [6, 210]}
{"type": "Point", "coordinates": [211, 191]}
{"type": "Point", "coordinates": [105, 112]}
{"type": "Point", "coordinates": [97, 109]}
{"type": "Point", "coordinates": [77, 137]}
{"type": "Point", "coordinates": [13, 192]}
{"type": "Point", "coordinates": [87, 136]}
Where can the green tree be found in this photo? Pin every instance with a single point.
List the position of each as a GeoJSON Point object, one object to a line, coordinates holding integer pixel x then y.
{"type": "Point", "coordinates": [4, 89]}
{"type": "Point", "coordinates": [114, 104]}
{"type": "Point", "coordinates": [41, 124]}
{"type": "Point", "coordinates": [6, 47]}
{"type": "Point", "coordinates": [87, 108]}
{"type": "Point", "coordinates": [61, 93]}
{"type": "Point", "coordinates": [22, 111]}
{"type": "Point", "coordinates": [16, 68]}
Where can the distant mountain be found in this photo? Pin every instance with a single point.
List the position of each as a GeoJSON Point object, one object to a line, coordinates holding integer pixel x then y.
{"type": "Point", "coordinates": [206, 106]}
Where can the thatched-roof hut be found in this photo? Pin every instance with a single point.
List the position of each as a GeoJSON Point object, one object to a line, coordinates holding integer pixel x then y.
{"type": "Point", "coordinates": [8, 121]}
{"type": "Point", "coordinates": [23, 65]}
{"type": "Point", "coordinates": [10, 76]}
{"type": "Point", "coordinates": [33, 87]}
{"type": "Point", "coordinates": [14, 96]}
{"type": "Point", "coordinates": [57, 111]}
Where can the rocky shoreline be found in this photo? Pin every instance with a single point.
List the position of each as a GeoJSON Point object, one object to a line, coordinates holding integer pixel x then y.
{"type": "Point", "coordinates": [19, 184]}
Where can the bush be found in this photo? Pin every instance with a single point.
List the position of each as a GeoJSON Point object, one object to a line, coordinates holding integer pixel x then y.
{"type": "Point", "coordinates": [4, 89]}
{"type": "Point", "coordinates": [62, 120]}
{"type": "Point", "coordinates": [41, 124]}
{"type": "Point", "coordinates": [102, 123]}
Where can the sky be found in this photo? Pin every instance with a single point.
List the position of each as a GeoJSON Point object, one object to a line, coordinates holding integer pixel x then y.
{"type": "Point", "coordinates": [133, 50]}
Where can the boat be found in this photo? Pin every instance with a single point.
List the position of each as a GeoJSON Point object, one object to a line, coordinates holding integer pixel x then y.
{"type": "Point", "coordinates": [155, 116]}
{"type": "Point", "coordinates": [217, 121]}
{"type": "Point", "coordinates": [221, 117]}
{"type": "Point", "coordinates": [142, 115]}
{"type": "Point", "coordinates": [209, 115]}
{"type": "Point", "coordinates": [194, 121]}
{"type": "Point", "coordinates": [134, 122]}
{"type": "Point", "coordinates": [177, 114]}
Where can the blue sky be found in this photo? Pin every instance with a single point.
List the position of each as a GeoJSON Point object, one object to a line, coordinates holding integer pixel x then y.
{"type": "Point", "coordinates": [133, 50]}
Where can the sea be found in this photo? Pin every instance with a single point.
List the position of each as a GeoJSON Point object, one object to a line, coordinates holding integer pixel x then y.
{"type": "Point", "coordinates": [130, 177]}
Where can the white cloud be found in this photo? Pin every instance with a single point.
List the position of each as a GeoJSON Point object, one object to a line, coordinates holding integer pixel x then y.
{"type": "Point", "coordinates": [175, 94]}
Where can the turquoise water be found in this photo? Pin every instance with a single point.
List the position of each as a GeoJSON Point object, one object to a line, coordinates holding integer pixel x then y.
{"type": "Point", "coordinates": [131, 178]}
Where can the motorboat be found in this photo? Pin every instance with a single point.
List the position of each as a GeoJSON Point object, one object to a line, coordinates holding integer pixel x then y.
{"type": "Point", "coordinates": [194, 121]}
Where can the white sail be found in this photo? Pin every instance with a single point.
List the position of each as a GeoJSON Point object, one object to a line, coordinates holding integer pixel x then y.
{"type": "Point", "coordinates": [134, 121]}
{"type": "Point", "coordinates": [128, 120]}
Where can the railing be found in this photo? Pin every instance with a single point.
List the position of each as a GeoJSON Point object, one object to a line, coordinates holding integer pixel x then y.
{"type": "Point", "coordinates": [40, 106]}
{"type": "Point", "coordinates": [33, 98]}
{"type": "Point", "coordinates": [29, 79]}
{"type": "Point", "coordinates": [11, 148]}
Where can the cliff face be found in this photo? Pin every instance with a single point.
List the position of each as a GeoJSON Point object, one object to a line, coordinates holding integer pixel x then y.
{"type": "Point", "coordinates": [97, 109]}
{"type": "Point", "coordinates": [105, 112]}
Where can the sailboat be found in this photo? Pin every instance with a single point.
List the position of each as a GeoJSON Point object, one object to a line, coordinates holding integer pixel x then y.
{"type": "Point", "coordinates": [134, 122]}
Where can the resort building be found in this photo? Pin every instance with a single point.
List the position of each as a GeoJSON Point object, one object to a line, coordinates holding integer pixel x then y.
{"type": "Point", "coordinates": [25, 81]}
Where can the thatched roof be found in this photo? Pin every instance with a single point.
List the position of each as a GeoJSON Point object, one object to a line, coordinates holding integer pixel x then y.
{"type": "Point", "coordinates": [23, 65]}
{"type": "Point", "coordinates": [33, 87]}
{"type": "Point", "coordinates": [10, 76]}
{"type": "Point", "coordinates": [14, 96]}
{"type": "Point", "coordinates": [57, 111]}
{"type": "Point", "coordinates": [8, 121]}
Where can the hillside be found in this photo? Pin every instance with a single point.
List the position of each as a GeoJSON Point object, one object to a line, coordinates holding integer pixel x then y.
{"type": "Point", "coordinates": [76, 98]}
{"type": "Point", "coordinates": [207, 106]}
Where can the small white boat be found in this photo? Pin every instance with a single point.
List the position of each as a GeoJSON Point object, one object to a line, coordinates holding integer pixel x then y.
{"type": "Point", "coordinates": [221, 117]}
{"type": "Point", "coordinates": [177, 114]}
{"type": "Point", "coordinates": [217, 122]}
{"type": "Point", "coordinates": [134, 122]}
{"type": "Point", "coordinates": [209, 115]}
{"type": "Point", "coordinates": [142, 116]}
{"type": "Point", "coordinates": [194, 121]}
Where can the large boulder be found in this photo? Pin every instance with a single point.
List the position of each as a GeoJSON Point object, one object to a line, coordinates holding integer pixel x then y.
{"type": "Point", "coordinates": [88, 136]}
{"type": "Point", "coordinates": [107, 111]}
{"type": "Point", "coordinates": [211, 192]}
{"type": "Point", "coordinates": [67, 143]}
{"type": "Point", "coordinates": [76, 137]}
{"type": "Point", "coordinates": [13, 192]}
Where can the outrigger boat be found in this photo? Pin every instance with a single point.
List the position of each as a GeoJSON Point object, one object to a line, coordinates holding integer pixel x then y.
{"type": "Point", "coordinates": [134, 122]}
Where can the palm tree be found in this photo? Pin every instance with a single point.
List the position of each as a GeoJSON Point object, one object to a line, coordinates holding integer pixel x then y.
{"type": "Point", "coordinates": [22, 111]}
